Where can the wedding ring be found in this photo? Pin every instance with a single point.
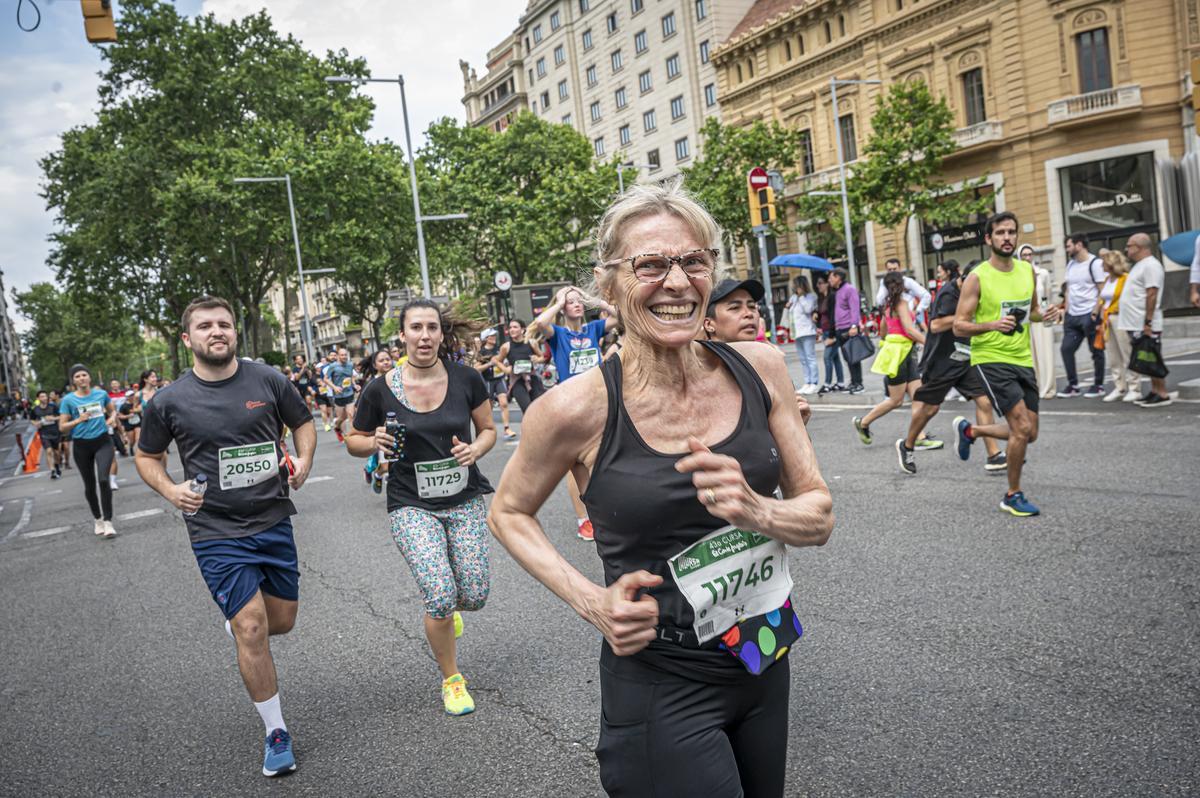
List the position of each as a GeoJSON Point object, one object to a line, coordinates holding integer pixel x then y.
{"type": "Point", "coordinates": [712, 496]}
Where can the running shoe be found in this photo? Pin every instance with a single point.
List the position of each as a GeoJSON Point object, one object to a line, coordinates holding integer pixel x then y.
{"type": "Point", "coordinates": [997, 463]}
{"type": "Point", "coordinates": [98, 529]}
{"type": "Point", "coordinates": [53, 474]}
{"type": "Point", "coordinates": [585, 531]}
{"type": "Point", "coordinates": [458, 624]}
{"type": "Point", "coordinates": [908, 463]}
{"type": "Point", "coordinates": [1115, 396]}
{"type": "Point", "coordinates": [824, 389]}
{"type": "Point", "coordinates": [1132, 395]}
{"type": "Point", "coordinates": [327, 428]}
{"type": "Point", "coordinates": [112, 483]}
{"type": "Point", "coordinates": [108, 532]}
{"type": "Point", "coordinates": [1070, 392]}
{"type": "Point", "coordinates": [962, 431]}
{"type": "Point", "coordinates": [929, 443]}
{"type": "Point", "coordinates": [341, 438]}
{"type": "Point", "coordinates": [377, 482]}
{"type": "Point", "coordinates": [856, 389]}
{"type": "Point", "coordinates": [1018, 505]}
{"type": "Point", "coordinates": [509, 434]}
{"type": "Point", "coordinates": [1154, 400]}
{"type": "Point", "coordinates": [455, 697]}
{"type": "Point", "coordinates": [1094, 392]}
{"type": "Point", "coordinates": [864, 433]}
{"type": "Point", "coordinates": [278, 756]}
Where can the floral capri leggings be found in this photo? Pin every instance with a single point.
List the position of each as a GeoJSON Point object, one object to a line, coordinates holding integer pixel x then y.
{"type": "Point", "coordinates": [447, 551]}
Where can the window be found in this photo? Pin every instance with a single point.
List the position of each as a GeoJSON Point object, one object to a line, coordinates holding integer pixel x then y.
{"type": "Point", "coordinates": [652, 160]}
{"type": "Point", "coordinates": [973, 96]}
{"type": "Point", "coordinates": [639, 42]}
{"type": "Point", "coordinates": [828, 32]}
{"type": "Point", "coordinates": [710, 95]}
{"type": "Point", "coordinates": [560, 55]}
{"type": "Point", "coordinates": [1095, 74]}
{"type": "Point", "coordinates": [620, 98]}
{"type": "Point", "coordinates": [562, 90]}
{"type": "Point", "coordinates": [545, 101]}
{"type": "Point", "coordinates": [750, 66]}
{"type": "Point", "coordinates": [566, 119]}
{"type": "Point", "coordinates": [681, 149]}
{"type": "Point", "coordinates": [806, 151]}
{"type": "Point", "coordinates": [585, 6]}
{"type": "Point", "coordinates": [673, 67]}
{"type": "Point", "coordinates": [800, 39]}
{"type": "Point", "coordinates": [623, 132]}
{"type": "Point", "coordinates": [677, 107]}
{"type": "Point", "coordinates": [531, 76]}
{"type": "Point", "coordinates": [841, 24]}
{"type": "Point", "coordinates": [701, 9]}
{"type": "Point", "coordinates": [537, 34]}
{"type": "Point", "coordinates": [533, 106]}
{"type": "Point", "coordinates": [611, 22]}
{"type": "Point", "coordinates": [668, 25]}
{"type": "Point", "coordinates": [849, 144]}
{"type": "Point", "coordinates": [541, 67]}
{"type": "Point", "coordinates": [591, 75]}
{"type": "Point", "coordinates": [787, 51]}
{"type": "Point", "coordinates": [635, 7]}
{"type": "Point", "coordinates": [554, 21]}
{"type": "Point", "coordinates": [587, 39]}
{"type": "Point", "coordinates": [704, 52]}
{"type": "Point", "coordinates": [594, 109]}
{"type": "Point", "coordinates": [616, 61]}
{"type": "Point", "coordinates": [648, 121]}
{"type": "Point", "coordinates": [739, 73]}
{"type": "Point", "coordinates": [645, 83]}
{"type": "Point", "coordinates": [527, 44]}
{"type": "Point", "coordinates": [598, 147]}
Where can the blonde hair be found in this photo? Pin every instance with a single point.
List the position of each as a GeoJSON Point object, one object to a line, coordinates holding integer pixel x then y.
{"type": "Point", "coordinates": [650, 200]}
{"type": "Point", "coordinates": [1116, 262]}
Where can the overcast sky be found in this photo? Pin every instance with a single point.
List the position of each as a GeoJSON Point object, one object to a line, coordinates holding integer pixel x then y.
{"type": "Point", "coordinates": [48, 82]}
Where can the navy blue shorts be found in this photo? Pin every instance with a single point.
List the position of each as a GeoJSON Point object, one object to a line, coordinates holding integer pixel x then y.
{"type": "Point", "coordinates": [236, 568]}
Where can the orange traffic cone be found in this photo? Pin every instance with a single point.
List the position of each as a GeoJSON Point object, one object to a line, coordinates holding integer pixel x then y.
{"type": "Point", "coordinates": [33, 455]}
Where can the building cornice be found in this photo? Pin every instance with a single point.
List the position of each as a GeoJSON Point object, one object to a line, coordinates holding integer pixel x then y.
{"type": "Point", "coordinates": [828, 61]}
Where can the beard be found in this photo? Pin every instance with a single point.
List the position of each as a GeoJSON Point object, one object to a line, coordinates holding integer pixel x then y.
{"type": "Point", "coordinates": [214, 361]}
{"type": "Point", "coordinates": [1000, 252]}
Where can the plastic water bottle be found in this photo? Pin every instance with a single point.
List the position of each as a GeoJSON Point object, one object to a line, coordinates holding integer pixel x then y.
{"type": "Point", "coordinates": [394, 428]}
{"type": "Point", "coordinates": [198, 485]}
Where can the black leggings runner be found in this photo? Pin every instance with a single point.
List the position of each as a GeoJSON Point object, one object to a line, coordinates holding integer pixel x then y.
{"type": "Point", "coordinates": [525, 395]}
{"type": "Point", "coordinates": [94, 456]}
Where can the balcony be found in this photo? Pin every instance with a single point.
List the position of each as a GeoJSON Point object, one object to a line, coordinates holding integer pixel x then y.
{"type": "Point", "coordinates": [815, 180]}
{"type": "Point", "coordinates": [981, 133]}
{"type": "Point", "coordinates": [1085, 106]}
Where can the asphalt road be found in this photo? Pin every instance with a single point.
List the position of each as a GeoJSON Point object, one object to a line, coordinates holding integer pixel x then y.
{"type": "Point", "coordinates": [949, 650]}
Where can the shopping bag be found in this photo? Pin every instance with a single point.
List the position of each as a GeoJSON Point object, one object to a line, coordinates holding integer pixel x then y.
{"type": "Point", "coordinates": [1147, 356]}
{"type": "Point", "coordinates": [857, 348]}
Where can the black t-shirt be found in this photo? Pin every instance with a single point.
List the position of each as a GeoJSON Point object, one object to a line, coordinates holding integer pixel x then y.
{"type": "Point", "coordinates": [427, 441]}
{"type": "Point", "coordinates": [39, 413]}
{"type": "Point", "coordinates": [229, 431]}
{"type": "Point", "coordinates": [940, 347]}
{"type": "Point", "coordinates": [484, 355]}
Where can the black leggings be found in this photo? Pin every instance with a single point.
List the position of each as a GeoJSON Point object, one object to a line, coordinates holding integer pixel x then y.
{"type": "Point", "coordinates": [525, 396]}
{"type": "Point", "coordinates": [664, 735]}
{"type": "Point", "coordinates": [94, 456]}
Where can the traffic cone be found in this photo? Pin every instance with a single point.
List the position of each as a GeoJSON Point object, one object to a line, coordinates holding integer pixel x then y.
{"type": "Point", "coordinates": [33, 454]}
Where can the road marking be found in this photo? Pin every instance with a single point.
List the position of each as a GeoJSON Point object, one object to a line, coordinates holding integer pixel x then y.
{"type": "Point", "coordinates": [1183, 362]}
{"type": "Point", "coordinates": [311, 480]}
{"type": "Point", "coordinates": [26, 514]}
{"type": "Point", "coordinates": [41, 533]}
{"type": "Point", "coordinates": [140, 514]}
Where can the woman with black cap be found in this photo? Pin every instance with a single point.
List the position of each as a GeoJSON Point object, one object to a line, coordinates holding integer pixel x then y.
{"type": "Point", "coordinates": [86, 413]}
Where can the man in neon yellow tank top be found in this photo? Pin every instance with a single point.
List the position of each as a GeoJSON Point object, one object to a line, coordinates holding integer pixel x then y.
{"type": "Point", "coordinates": [997, 305]}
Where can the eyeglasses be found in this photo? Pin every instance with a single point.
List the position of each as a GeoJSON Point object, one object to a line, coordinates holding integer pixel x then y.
{"type": "Point", "coordinates": [654, 268]}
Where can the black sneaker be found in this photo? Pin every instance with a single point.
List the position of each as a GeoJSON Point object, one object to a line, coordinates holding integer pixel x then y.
{"type": "Point", "coordinates": [838, 387]}
{"type": "Point", "coordinates": [1094, 392]}
{"type": "Point", "coordinates": [824, 390]}
{"type": "Point", "coordinates": [908, 463]}
{"type": "Point", "coordinates": [1154, 400]}
{"type": "Point", "coordinates": [856, 389]}
{"type": "Point", "coordinates": [1070, 392]}
{"type": "Point", "coordinates": [996, 463]}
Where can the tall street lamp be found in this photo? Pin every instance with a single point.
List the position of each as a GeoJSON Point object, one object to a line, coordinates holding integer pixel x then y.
{"type": "Point", "coordinates": [412, 174]}
{"type": "Point", "coordinates": [307, 331]}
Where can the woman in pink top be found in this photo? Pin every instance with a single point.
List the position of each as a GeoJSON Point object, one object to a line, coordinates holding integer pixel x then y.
{"type": "Point", "coordinates": [902, 333]}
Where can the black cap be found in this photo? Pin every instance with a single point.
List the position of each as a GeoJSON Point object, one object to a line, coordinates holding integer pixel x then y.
{"type": "Point", "coordinates": [729, 285]}
{"type": "Point", "coordinates": [78, 367]}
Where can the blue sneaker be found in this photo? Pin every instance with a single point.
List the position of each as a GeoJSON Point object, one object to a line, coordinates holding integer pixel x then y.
{"type": "Point", "coordinates": [961, 425]}
{"type": "Point", "coordinates": [1018, 505]}
{"type": "Point", "coordinates": [277, 756]}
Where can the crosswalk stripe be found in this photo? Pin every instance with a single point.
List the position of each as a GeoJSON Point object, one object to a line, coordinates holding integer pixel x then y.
{"type": "Point", "coordinates": [41, 533]}
{"type": "Point", "coordinates": [140, 514]}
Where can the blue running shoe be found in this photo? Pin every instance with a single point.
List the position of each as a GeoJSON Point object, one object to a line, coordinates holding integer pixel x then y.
{"type": "Point", "coordinates": [1018, 505]}
{"type": "Point", "coordinates": [277, 756]}
{"type": "Point", "coordinates": [961, 425]}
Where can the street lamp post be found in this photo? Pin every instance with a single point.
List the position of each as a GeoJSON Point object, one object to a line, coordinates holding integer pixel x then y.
{"type": "Point", "coordinates": [412, 175]}
{"type": "Point", "coordinates": [837, 119]}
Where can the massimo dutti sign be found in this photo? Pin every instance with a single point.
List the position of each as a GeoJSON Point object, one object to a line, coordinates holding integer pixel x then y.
{"type": "Point", "coordinates": [1109, 194]}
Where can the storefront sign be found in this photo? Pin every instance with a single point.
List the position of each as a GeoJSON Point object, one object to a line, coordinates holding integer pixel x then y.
{"type": "Point", "coordinates": [1109, 194]}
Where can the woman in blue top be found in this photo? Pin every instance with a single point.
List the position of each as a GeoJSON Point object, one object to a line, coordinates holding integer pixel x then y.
{"type": "Point", "coordinates": [87, 413]}
{"type": "Point", "coordinates": [576, 347]}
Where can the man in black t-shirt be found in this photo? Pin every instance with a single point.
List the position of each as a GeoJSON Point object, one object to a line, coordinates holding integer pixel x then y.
{"type": "Point", "coordinates": [946, 364]}
{"type": "Point", "coordinates": [227, 416]}
{"type": "Point", "coordinates": [45, 416]}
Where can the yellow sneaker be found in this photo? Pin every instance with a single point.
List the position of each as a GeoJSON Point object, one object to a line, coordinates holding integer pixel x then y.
{"type": "Point", "coordinates": [455, 696]}
{"type": "Point", "coordinates": [458, 624]}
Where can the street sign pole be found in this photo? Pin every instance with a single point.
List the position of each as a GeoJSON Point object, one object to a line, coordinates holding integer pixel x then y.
{"type": "Point", "coordinates": [760, 232]}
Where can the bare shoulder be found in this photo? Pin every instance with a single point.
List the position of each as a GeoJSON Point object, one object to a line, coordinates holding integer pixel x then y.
{"type": "Point", "coordinates": [574, 409]}
{"type": "Point", "coordinates": [768, 361]}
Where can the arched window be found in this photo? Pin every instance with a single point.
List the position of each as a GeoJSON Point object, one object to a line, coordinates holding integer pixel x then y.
{"type": "Point", "coordinates": [828, 32]}
{"type": "Point", "coordinates": [841, 24]}
{"type": "Point", "coordinates": [739, 73]}
{"type": "Point", "coordinates": [801, 38]}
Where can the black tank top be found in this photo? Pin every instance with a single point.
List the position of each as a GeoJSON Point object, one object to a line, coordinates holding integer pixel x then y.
{"type": "Point", "coordinates": [644, 511]}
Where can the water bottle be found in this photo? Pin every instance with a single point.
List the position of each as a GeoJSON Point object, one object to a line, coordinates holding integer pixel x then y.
{"type": "Point", "coordinates": [396, 430]}
{"type": "Point", "coordinates": [198, 485]}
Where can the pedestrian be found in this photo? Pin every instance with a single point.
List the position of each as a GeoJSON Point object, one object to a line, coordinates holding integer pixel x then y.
{"type": "Point", "coordinates": [1085, 278]}
{"type": "Point", "coordinates": [228, 416]}
{"type": "Point", "coordinates": [825, 314]}
{"type": "Point", "coordinates": [435, 490]}
{"type": "Point", "coordinates": [693, 685]}
{"type": "Point", "coordinates": [896, 360]}
{"type": "Point", "coordinates": [1041, 336]}
{"type": "Point", "coordinates": [802, 304]}
{"type": "Point", "coordinates": [1141, 313]}
{"type": "Point", "coordinates": [997, 305]}
{"type": "Point", "coordinates": [847, 315]}
{"type": "Point", "coordinates": [1116, 343]}
{"type": "Point", "coordinates": [86, 415]}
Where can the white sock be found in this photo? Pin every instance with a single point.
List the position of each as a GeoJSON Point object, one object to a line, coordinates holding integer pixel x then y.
{"type": "Point", "coordinates": [580, 521]}
{"type": "Point", "coordinates": [112, 481]}
{"type": "Point", "coordinates": [271, 714]}
{"type": "Point", "coordinates": [229, 631]}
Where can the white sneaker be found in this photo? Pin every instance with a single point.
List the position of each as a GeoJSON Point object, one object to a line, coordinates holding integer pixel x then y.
{"type": "Point", "coordinates": [112, 482]}
{"type": "Point", "coordinates": [98, 529]}
{"type": "Point", "coordinates": [108, 532]}
{"type": "Point", "coordinates": [1132, 395]}
{"type": "Point", "coordinates": [1116, 395]}
{"type": "Point", "coordinates": [808, 389]}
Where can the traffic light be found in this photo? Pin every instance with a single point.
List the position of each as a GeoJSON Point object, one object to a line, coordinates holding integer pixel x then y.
{"type": "Point", "coordinates": [1196, 93]}
{"type": "Point", "coordinates": [98, 20]}
{"type": "Point", "coordinates": [762, 205]}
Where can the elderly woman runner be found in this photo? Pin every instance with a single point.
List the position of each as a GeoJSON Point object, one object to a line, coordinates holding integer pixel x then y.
{"type": "Point", "coordinates": [678, 473]}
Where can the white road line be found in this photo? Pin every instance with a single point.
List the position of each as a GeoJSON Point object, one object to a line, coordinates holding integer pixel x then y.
{"type": "Point", "coordinates": [26, 515]}
{"type": "Point", "coordinates": [41, 533]}
{"type": "Point", "coordinates": [140, 514]}
{"type": "Point", "coordinates": [311, 480]}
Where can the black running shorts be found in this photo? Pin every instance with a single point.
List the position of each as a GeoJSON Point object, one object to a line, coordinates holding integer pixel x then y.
{"type": "Point", "coordinates": [940, 377]}
{"type": "Point", "coordinates": [1009, 385]}
{"type": "Point", "coordinates": [907, 372]}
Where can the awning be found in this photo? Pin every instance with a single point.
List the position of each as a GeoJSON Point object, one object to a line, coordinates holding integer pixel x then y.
{"type": "Point", "coordinates": [802, 261]}
{"type": "Point", "coordinates": [1181, 248]}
